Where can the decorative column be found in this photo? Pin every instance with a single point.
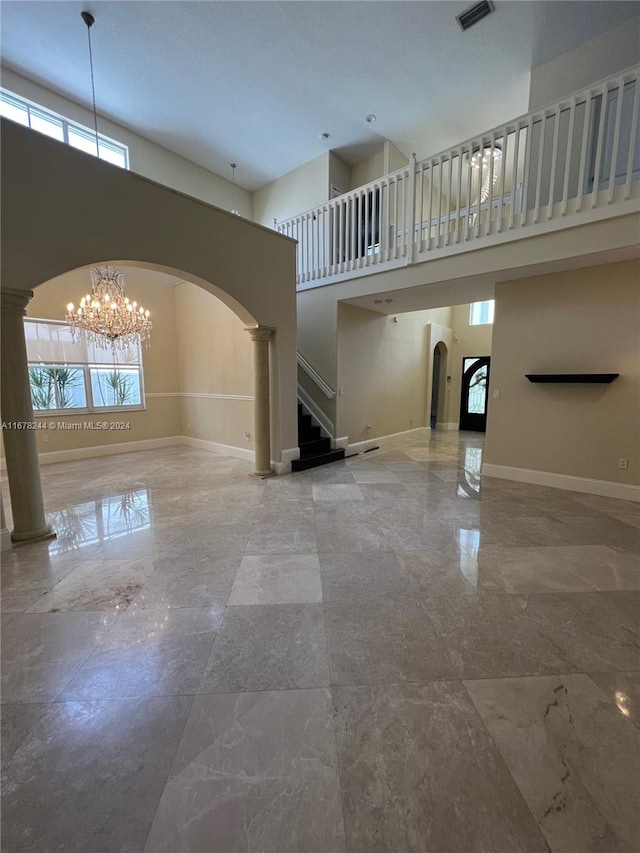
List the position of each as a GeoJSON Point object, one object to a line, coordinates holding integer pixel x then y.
{"type": "Point", "coordinates": [5, 536]}
{"type": "Point", "coordinates": [261, 335]}
{"type": "Point", "coordinates": [20, 442]}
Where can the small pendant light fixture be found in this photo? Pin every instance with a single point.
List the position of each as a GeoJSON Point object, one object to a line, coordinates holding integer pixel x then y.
{"type": "Point", "coordinates": [233, 178]}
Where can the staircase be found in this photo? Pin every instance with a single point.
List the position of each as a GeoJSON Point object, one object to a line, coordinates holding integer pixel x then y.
{"type": "Point", "coordinates": [314, 449]}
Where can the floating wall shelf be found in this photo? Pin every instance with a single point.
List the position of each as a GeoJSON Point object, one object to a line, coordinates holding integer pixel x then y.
{"type": "Point", "coordinates": [572, 377]}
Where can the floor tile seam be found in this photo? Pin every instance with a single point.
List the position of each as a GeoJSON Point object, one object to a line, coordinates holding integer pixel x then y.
{"type": "Point", "coordinates": [472, 678]}
{"type": "Point", "coordinates": [261, 690]}
{"type": "Point", "coordinates": [507, 769]}
{"type": "Point", "coordinates": [216, 634]}
{"type": "Point", "coordinates": [179, 740]}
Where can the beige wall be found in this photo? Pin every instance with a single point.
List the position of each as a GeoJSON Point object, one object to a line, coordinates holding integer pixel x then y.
{"type": "Point", "coordinates": [607, 54]}
{"type": "Point", "coordinates": [367, 170]}
{"type": "Point", "coordinates": [584, 321]}
{"type": "Point", "coordinates": [214, 369]}
{"type": "Point", "coordinates": [161, 417]}
{"type": "Point", "coordinates": [293, 193]}
{"type": "Point", "coordinates": [339, 173]}
{"type": "Point", "coordinates": [145, 157]}
{"type": "Point", "coordinates": [384, 370]}
{"type": "Point", "coordinates": [52, 223]}
{"type": "Point", "coordinates": [467, 341]}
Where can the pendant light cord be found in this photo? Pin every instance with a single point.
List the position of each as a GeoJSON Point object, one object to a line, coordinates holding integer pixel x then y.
{"type": "Point", "coordinates": [89, 20]}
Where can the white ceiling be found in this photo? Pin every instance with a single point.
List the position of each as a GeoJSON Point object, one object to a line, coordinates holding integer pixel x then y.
{"type": "Point", "coordinates": [257, 82]}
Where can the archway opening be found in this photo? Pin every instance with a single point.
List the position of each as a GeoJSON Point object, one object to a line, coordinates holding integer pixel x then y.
{"type": "Point", "coordinates": [438, 384]}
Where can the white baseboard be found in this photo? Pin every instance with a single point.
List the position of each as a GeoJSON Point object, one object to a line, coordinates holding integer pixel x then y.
{"type": "Point", "coordinates": [606, 488]}
{"type": "Point", "coordinates": [447, 426]}
{"type": "Point", "coordinates": [246, 453]}
{"type": "Point", "coordinates": [103, 450]}
{"type": "Point", "coordinates": [215, 447]}
{"type": "Point", "coordinates": [288, 456]}
{"type": "Point", "coordinates": [381, 440]}
{"type": "Point", "coordinates": [339, 443]}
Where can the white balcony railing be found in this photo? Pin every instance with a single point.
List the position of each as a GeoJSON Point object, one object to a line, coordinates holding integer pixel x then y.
{"type": "Point", "coordinates": [554, 165]}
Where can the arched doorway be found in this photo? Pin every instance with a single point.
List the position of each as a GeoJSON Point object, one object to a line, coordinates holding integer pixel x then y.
{"type": "Point", "coordinates": [136, 223]}
{"type": "Point", "coordinates": [438, 384]}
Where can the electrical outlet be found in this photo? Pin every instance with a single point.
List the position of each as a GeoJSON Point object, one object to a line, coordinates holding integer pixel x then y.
{"type": "Point", "coordinates": [45, 437]}
{"type": "Point", "coordinates": [623, 463]}
{"type": "Point", "coordinates": [247, 435]}
{"type": "Point", "coordinates": [495, 394]}
{"type": "Point", "coordinates": [367, 427]}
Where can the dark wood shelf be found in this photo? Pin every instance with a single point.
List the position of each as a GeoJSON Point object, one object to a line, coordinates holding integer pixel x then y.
{"type": "Point", "coordinates": [572, 378]}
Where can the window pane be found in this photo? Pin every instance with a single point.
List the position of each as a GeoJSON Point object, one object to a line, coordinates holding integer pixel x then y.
{"type": "Point", "coordinates": [481, 313]}
{"type": "Point", "coordinates": [46, 124]}
{"type": "Point", "coordinates": [119, 387]}
{"type": "Point", "coordinates": [43, 395]}
{"type": "Point", "coordinates": [82, 140]}
{"type": "Point", "coordinates": [14, 110]}
{"type": "Point", "coordinates": [114, 155]}
{"type": "Point", "coordinates": [57, 386]}
{"type": "Point", "coordinates": [69, 385]}
{"type": "Point", "coordinates": [478, 391]}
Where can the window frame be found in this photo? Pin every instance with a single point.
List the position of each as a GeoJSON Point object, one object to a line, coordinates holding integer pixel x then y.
{"type": "Point", "coordinates": [86, 367]}
{"type": "Point", "coordinates": [105, 142]}
{"type": "Point", "coordinates": [491, 305]}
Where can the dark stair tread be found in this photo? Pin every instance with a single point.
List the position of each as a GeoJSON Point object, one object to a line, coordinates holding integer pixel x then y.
{"type": "Point", "coordinates": [303, 464]}
{"type": "Point", "coordinates": [314, 447]}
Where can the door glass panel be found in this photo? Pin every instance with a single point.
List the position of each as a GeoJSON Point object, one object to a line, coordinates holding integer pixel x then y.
{"type": "Point", "coordinates": [478, 391]}
{"type": "Point", "coordinates": [467, 362]}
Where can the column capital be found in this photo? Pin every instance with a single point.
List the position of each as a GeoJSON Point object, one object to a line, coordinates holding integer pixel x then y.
{"type": "Point", "coordinates": [259, 333]}
{"type": "Point", "coordinates": [14, 301]}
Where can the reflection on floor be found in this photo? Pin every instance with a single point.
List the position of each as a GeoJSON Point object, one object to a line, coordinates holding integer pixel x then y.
{"type": "Point", "coordinates": [385, 654]}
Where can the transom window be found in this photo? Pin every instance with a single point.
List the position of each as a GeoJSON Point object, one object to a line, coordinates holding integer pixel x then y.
{"type": "Point", "coordinates": [71, 376]}
{"type": "Point", "coordinates": [44, 121]}
{"type": "Point", "coordinates": [481, 313]}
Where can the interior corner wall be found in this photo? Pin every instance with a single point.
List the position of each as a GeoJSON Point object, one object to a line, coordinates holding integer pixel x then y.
{"type": "Point", "coordinates": [594, 60]}
{"type": "Point", "coordinates": [293, 193]}
{"type": "Point", "coordinates": [583, 321]}
{"type": "Point", "coordinates": [145, 157]}
{"type": "Point", "coordinates": [384, 370]}
{"type": "Point", "coordinates": [467, 341]}
{"type": "Point", "coordinates": [339, 174]}
{"type": "Point", "coordinates": [214, 369]}
{"type": "Point", "coordinates": [369, 169]}
{"type": "Point", "coordinates": [161, 417]}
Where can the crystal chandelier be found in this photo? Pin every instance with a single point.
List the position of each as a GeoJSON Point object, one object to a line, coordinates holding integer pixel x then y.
{"type": "Point", "coordinates": [106, 317]}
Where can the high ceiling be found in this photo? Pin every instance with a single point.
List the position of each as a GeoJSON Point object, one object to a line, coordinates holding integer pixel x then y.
{"type": "Point", "coordinates": [258, 82]}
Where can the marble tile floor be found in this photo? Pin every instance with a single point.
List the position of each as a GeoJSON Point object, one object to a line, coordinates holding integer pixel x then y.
{"type": "Point", "coordinates": [389, 654]}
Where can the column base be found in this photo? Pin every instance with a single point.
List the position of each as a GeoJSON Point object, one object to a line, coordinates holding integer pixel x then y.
{"type": "Point", "coordinates": [5, 539]}
{"type": "Point", "coordinates": [262, 475]}
{"type": "Point", "coordinates": [41, 535]}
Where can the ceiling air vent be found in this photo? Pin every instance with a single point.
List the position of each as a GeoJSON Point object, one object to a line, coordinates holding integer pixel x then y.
{"type": "Point", "coordinates": [474, 14]}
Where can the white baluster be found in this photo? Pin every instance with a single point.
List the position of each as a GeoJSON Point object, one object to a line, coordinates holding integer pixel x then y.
{"type": "Point", "coordinates": [632, 138]}
{"type": "Point", "coordinates": [599, 146]}
{"type": "Point", "coordinates": [583, 151]}
{"type": "Point", "coordinates": [527, 165]}
{"type": "Point", "coordinates": [616, 141]}
{"type": "Point", "coordinates": [567, 162]}
{"type": "Point", "coordinates": [554, 155]}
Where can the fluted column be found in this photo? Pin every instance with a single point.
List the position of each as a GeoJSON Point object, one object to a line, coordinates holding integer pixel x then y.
{"type": "Point", "coordinates": [260, 335]}
{"type": "Point", "coordinates": [20, 445]}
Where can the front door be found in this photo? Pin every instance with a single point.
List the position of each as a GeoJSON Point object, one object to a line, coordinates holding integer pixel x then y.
{"type": "Point", "coordinates": [475, 388]}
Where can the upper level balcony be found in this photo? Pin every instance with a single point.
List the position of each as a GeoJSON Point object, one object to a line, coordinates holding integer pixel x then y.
{"type": "Point", "coordinates": [573, 162]}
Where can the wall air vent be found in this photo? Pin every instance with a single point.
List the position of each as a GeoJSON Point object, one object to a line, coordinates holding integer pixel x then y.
{"type": "Point", "coordinates": [474, 14]}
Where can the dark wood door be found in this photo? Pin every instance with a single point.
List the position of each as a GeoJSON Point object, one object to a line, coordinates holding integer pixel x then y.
{"type": "Point", "coordinates": [475, 389]}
